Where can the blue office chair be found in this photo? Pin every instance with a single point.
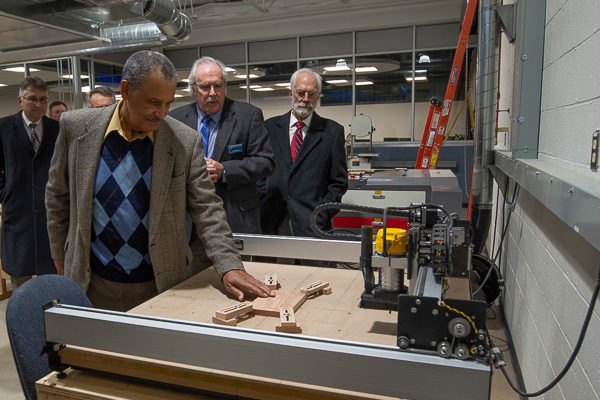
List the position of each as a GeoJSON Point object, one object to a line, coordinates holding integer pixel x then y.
{"type": "Point", "coordinates": [25, 324]}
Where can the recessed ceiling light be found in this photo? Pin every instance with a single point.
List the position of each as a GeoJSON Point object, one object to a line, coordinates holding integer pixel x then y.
{"type": "Point", "coordinates": [85, 89]}
{"type": "Point", "coordinates": [263, 89]}
{"type": "Point", "coordinates": [243, 76]}
{"type": "Point", "coordinates": [178, 95]}
{"type": "Point", "coordinates": [184, 80]}
{"type": "Point", "coordinates": [20, 69]}
{"type": "Point", "coordinates": [336, 81]}
{"type": "Point", "coordinates": [251, 86]}
{"type": "Point", "coordinates": [70, 76]}
{"type": "Point", "coordinates": [2, 85]}
{"type": "Point", "coordinates": [424, 59]}
{"type": "Point", "coordinates": [229, 69]}
{"type": "Point", "coordinates": [284, 84]}
{"type": "Point", "coordinates": [366, 69]}
{"type": "Point", "coordinates": [363, 82]}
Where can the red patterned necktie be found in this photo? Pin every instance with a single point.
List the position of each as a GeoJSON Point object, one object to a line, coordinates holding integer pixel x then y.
{"type": "Point", "coordinates": [296, 140]}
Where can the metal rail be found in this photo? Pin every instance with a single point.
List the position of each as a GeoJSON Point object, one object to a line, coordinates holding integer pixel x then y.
{"type": "Point", "coordinates": [364, 368]}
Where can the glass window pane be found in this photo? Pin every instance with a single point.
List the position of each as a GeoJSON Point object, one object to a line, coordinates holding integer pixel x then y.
{"type": "Point", "coordinates": [269, 91]}
{"type": "Point", "coordinates": [236, 80]}
{"type": "Point", "coordinates": [431, 81]}
{"type": "Point", "coordinates": [336, 94]}
{"type": "Point", "coordinates": [272, 50]}
{"type": "Point", "coordinates": [383, 94]}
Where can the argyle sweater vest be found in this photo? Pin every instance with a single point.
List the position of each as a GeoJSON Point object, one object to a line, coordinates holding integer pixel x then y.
{"type": "Point", "coordinates": [119, 248]}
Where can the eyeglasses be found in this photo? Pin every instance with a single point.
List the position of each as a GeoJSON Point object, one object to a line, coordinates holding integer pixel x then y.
{"type": "Point", "coordinates": [205, 87]}
{"type": "Point", "coordinates": [33, 99]}
{"type": "Point", "coordinates": [311, 94]}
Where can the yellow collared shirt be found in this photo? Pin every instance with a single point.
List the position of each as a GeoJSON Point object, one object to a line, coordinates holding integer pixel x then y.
{"type": "Point", "coordinates": [115, 125]}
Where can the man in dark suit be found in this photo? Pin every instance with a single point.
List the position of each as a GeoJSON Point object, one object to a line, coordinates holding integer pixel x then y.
{"type": "Point", "coordinates": [310, 162]}
{"type": "Point", "coordinates": [26, 146]}
{"type": "Point", "coordinates": [236, 146]}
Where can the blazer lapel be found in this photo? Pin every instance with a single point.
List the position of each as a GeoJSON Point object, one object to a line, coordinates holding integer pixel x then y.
{"type": "Point", "coordinates": [312, 138]}
{"type": "Point", "coordinates": [191, 116]}
{"type": "Point", "coordinates": [163, 158]}
{"type": "Point", "coordinates": [86, 160]}
{"type": "Point", "coordinates": [226, 125]}
{"type": "Point", "coordinates": [21, 134]}
{"type": "Point", "coordinates": [281, 139]}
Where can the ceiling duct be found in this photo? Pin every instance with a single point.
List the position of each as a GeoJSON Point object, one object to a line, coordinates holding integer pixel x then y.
{"type": "Point", "coordinates": [174, 24]}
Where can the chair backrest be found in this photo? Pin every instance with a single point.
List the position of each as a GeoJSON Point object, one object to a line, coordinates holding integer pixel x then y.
{"type": "Point", "coordinates": [25, 324]}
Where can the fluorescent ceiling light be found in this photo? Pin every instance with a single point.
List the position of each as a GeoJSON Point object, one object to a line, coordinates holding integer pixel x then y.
{"type": "Point", "coordinates": [263, 89]}
{"type": "Point", "coordinates": [251, 86]}
{"type": "Point", "coordinates": [417, 78]}
{"type": "Point", "coordinates": [336, 81]}
{"type": "Point", "coordinates": [20, 69]}
{"type": "Point", "coordinates": [70, 76]}
{"type": "Point", "coordinates": [85, 89]}
{"type": "Point", "coordinates": [243, 76]}
{"type": "Point", "coordinates": [2, 85]}
{"type": "Point", "coordinates": [229, 69]}
{"type": "Point", "coordinates": [185, 80]}
{"type": "Point", "coordinates": [178, 95]}
{"type": "Point", "coordinates": [424, 59]}
{"type": "Point", "coordinates": [366, 69]}
{"type": "Point", "coordinates": [284, 84]}
{"type": "Point", "coordinates": [363, 82]}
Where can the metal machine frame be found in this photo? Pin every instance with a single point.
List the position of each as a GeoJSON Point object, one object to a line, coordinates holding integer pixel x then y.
{"type": "Point", "coordinates": [364, 368]}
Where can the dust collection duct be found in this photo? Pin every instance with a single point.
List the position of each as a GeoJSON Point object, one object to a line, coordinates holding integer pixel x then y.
{"type": "Point", "coordinates": [485, 120]}
{"type": "Point", "coordinates": [104, 25]}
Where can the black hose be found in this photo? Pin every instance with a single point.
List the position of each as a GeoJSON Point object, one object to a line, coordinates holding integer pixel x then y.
{"type": "Point", "coordinates": [567, 366]}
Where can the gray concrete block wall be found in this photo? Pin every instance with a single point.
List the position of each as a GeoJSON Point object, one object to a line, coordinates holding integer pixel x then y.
{"type": "Point", "coordinates": [549, 269]}
{"type": "Point", "coordinates": [550, 272]}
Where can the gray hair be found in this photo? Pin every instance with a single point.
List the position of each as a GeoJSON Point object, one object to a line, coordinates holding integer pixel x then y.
{"type": "Point", "coordinates": [205, 60]}
{"type": "Point", "coordinates": [305, 71]}
{"type": "Point", "coordinates": [31, 82]}
{"type": "Point", "coordinates": [102, 91]}
{"type": "Point", "coordinates": [140, 64]}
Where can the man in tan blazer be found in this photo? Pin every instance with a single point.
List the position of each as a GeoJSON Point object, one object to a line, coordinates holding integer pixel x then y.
{"type": "Point", "coordinates": [121, 180]}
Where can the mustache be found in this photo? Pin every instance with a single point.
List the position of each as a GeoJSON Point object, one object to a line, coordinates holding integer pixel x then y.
{"type": "Point", "coordinates": [152, 119]}
{"type": "Point", "coordinates": [211, 99]}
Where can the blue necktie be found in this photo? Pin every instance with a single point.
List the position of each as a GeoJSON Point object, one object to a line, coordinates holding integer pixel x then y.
{"type": "Point", "coordinates": [205, 131]}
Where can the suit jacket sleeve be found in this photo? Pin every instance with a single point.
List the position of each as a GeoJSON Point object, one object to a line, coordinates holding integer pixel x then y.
{"type": "Point", "coordinates": [338, 172]}
{"type": "Point", "coordinates": [2, 164]}
{"type": "Point", "coordinates": [208, 215]}
{"type": "Point", "coordinates": [258, 162]}
{"type": "Point", "coordinates": [57, 195]}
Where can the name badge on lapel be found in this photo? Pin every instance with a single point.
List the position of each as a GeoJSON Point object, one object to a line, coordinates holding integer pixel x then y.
{"type": "Point", "coordinates": [235, 148]}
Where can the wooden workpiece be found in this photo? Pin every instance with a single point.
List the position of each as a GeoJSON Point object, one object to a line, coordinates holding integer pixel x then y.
{"type": "Point", "coordinates": [271, 281]}
{"type": "Point", "coordinates": [287, 321]}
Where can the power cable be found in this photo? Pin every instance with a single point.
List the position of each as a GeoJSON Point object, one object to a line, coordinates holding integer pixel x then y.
{"type": "Point", "coordinates": [571, 360]}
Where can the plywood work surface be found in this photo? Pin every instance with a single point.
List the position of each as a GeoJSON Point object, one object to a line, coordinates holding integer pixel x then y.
{"type": "Point", "coordinates": [336, 315]}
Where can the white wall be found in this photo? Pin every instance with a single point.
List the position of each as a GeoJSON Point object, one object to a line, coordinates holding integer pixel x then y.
{"type": "Point", "coordinates": [550, 269]}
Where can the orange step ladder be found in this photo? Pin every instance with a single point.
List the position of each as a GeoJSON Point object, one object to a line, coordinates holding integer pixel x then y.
{"type": "Point", "coordinates": [439, 111]}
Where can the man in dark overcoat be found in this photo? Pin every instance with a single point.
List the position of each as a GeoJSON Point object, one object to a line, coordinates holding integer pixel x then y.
{"type": "Point", "coordinates": [26, 146]}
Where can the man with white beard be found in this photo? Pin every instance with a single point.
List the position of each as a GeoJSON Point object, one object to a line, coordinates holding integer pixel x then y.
{"type": "Point", "coordinates": [310, 162]}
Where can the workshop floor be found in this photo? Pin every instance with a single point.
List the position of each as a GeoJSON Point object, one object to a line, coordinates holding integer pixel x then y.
{"type": "Point", "coordinates": [10, 389]}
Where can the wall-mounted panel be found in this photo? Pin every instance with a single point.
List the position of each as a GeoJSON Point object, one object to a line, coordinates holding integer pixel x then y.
{"type": "Point", "coordinates": [184, 57]}
{"type": "Point", "coordinates": [326, 45]}
{"type": "Point", "coordinates": [436, 36]}
{"type": "Point", "coordinates": [382, 40]}
{"type": "Point", "coordinates": [229, 53]}
{"type": "Point", "coordinates": [272, 50]}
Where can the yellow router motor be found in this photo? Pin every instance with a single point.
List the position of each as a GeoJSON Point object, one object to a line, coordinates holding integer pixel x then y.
{"type": "Point", "coordinates": [397, 241]}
